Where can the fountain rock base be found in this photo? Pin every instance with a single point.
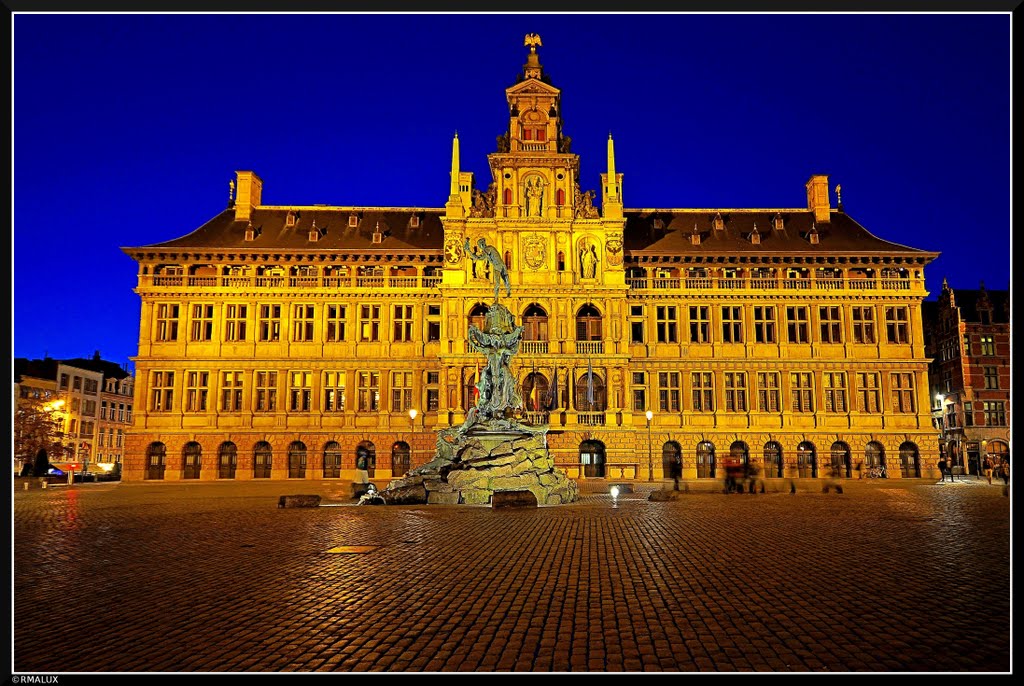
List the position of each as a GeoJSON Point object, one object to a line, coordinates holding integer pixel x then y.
{"type": "Point", "coordinates": [487, 462]}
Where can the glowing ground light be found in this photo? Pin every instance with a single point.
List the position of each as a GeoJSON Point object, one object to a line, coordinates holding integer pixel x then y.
{"type": "Point", "coordinates": [615, 491]}
{"type": "Point", "coordinates": [353, 549]}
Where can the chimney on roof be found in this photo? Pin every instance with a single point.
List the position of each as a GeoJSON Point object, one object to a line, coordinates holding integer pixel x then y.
{"type": "Point", "coordinates": [96, 356]}
{"type": "Point", "coordinates": [817, 197]}
{"type": "Point", "coordinates": [249, 194]}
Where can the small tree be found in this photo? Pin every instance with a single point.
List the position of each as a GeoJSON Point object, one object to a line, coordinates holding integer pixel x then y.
{"type": "Point", "coordinates": [39, 428]}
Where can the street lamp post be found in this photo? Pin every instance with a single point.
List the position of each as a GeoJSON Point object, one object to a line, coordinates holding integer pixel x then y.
{"type": "Point", "coordinates": [942, 426]}
{"type": "Point", "coordinates": [650, 454]}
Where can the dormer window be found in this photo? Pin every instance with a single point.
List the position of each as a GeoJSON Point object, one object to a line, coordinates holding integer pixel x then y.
{"type": "Point", "coordinates": [315, 233]}
{"type": "Point", "coordinates": [755, 236]}
{"type": "Point", "coordinates": [695, 236]}
{"type": "Point", "coordinates": [777, 221]}
{"type": "Point", "coordinates": [377, 236]}
{"type": "Point", "coordinates": [812, 235]}
{"type": "Point", "coordinates": [252, 233]}
{"type": "Point", "coordinates": [353, 220]}
{"type": "Point", "coordinates": [719, 222]}
{"type": "Point", "coordinates": [658, 223]}
{"type": "Point", "coordinates": [414, 221]}
{"type": "Point", "coordinates": [289, 220]}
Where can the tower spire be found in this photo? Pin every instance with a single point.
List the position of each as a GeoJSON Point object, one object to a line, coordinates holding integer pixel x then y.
{"type": "Point", "coordinates": [455, 166]}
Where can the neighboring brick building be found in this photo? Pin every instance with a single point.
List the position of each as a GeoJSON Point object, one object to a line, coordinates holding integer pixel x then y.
{"type": "Point", "coordinates": [275, 340]}
{"type": "Point", "coordinates": [967, 333]}
{"type": "Point", "coordinates": [82, 384]}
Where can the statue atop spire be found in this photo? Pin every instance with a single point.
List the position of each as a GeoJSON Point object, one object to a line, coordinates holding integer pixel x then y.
{"type": "Point", "coordinates": [532, 40]}
{"type": "Point", "coordinates": [532, 68]}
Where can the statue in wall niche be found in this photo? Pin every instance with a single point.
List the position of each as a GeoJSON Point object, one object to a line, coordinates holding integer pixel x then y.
{"type": "Point", "coordinates": [490, 257]}
{"type": "Point", "coordinates": [534, 194]}
{"type": "Point", "coordinates": [565, 144]}
{"type": "Point", "coordinates": [503, 142]}
{"type": "Point", "coordinates": [588, 260]}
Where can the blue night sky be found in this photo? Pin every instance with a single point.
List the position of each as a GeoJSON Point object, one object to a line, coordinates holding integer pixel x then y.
{"type": "Point", "coordinates": [128, 127]}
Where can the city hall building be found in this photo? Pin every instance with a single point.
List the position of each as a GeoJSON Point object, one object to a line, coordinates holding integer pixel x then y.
{"type": "Point", "coordinates": [275, 341]}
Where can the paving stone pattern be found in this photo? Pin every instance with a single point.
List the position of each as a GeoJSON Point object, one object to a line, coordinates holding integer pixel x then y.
{"type": "Point", "coordinates": [215, 577]}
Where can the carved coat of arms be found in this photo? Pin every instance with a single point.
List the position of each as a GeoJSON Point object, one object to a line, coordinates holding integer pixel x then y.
{"type": "Point", "coordinates": [614, 247]}
{"type": "Point", "coordinates": [534, 252]}
{"type": "Point", "coordinates": [452, 251]}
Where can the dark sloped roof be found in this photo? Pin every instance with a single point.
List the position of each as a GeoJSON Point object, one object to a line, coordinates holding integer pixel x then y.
{"type": "Point", "coordinates": [224, 232]}
{"type": "Point", "coordinates": [108, 369]}
{"type": "Point", "coordinates": [841, 234]}
{"type": "Point", "coordinates": [47, 367]}
{"type": "Point", "coordinates": [967, 302]}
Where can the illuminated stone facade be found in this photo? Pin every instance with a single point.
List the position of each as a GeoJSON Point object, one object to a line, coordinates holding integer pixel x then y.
{"type": "Point", "coordinates": [275, 340]}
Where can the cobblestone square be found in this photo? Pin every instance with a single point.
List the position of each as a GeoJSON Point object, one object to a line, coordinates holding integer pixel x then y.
{"type": "Point", "coordinates": [214, 577]}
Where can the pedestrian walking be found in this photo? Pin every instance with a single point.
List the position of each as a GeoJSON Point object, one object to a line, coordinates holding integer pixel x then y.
{"type": "Point", "coordinates": [833, 480]}
{"type": "Point", "coordinates": [987, 467]}
{"type": "Point", "coordinates": [676, 470]}
{"type": "Point", "coordinates": [942, 470]}
{"type": "Point", "coordinates": [1004, 471]}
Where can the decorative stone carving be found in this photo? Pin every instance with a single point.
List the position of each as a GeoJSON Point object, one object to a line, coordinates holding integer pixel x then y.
{"type": "Point", "coordinates": [588, 259]}
{"type": "Point", "coordinates": [584, 204]}
{"type": "Point", "coordinates": [452, 251]}
{"type": "Point", "coordinates": [534, 251]}
{"type": "Point", "coordinates": [483, 203]}
{"type": "Point", "coordinates": [534, 195]}
{"type": "Point", "coordinates": [614, 248]}
{"type": "Point", "coordinates": [503, 142]}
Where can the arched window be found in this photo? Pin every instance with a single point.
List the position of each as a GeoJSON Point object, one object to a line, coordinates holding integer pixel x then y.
{"type": "Point", "coordinates": [297, 460]}
{"type": "Point", "coordinates": [469, 392]}
{"type": "Point", "coordinates": [262, 460]}
{"type": "Point", "coordinates": [588, 324]}
{"type": "Point", "coordinates": [193, 460]}
{"type": "Point", "coordinates": [227, 460]}
{"type": "Point", "coordinates": [998, 452]}
{"type": "Point", "coordinates": [841, 459]}
{"type": "Point", "coordinates": [477, 316]}
{"type": "Point", "coordinates": [592, 459]}
{"type": "Point", "coordinates": [739, 451]}
{"type": "Point", "coordinates": [508, 196]}
{"type": "Point", "coordinates": [806, 460]}
{"type": "Point", "coordinates": [535, 392]}
{"type": "Point", "coordinates": [560, 197]}
{"type": "Point", "coordinates": [560, 265]}
{"type": "Point", "coordinates": [332, 460]}
{"type": "Point", "coordinates": [705, 460]}
{"type": "Point", "coordinates": [156, 461]}
{"type": "Point", "coordinates": [669, 452]}
{"type": "Point", "coordinates": [371, 456]}
{"type": "Point", "coordinates": [508, 259]}
{"type": "Point", "coordinates": [591, 397]}
{"type": "Point", "coordinates": [910, 463]}
{"type": "Point", "coordinates": [772, 460]}
{"type": "Point", "coordinates": [535, 323]}
{"type": "Point", "coordinates": [874, 456]}
{"type": "Point", "coordinates": [400, 459]}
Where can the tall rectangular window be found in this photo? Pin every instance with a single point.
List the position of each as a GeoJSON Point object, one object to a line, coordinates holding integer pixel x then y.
{"type": "Point", "coordinates": [903, 392]}
{"type": "Point", "coordinates": [401, 391]}
{"type": "Point", "coordinates": [402, 323]}
{"type": "Point", "coordinates": [700, 326]}
{"type": "Point", "coordinates": [336, 316]}
{"type": "Point", "coordinates": [636, 323]}
{"type": "Point", "coordinates": [162, 390]}
{"type": "Point", "coordinates": [63, 381]}
{"type": "Point", "coordinates": [303, 317]}
{"type": "Point", "coordinates": [120, 412]}
{"type": "Point", "coordinates": [369, 391]}
{"type": "Point", "coordinates": [991, 377]}
{"type": "Point", "coordinates": [668, 391]}
{"type": "Point", "coordinates": [863, 324]}
{"type": "Point", "coordinates": [768, 391]}
{"type": "Point", "coordinates": [231, 391]}
{"type": "Point", "coordinates": [266, 392]}
{"type": "Point", "coordinates": [988, 345]}
{"type": "Point", "coordinates": [896, 329]}
{"type": "Point", "coordinates": [235, 317]}
{"type": "Point", "coordinates": [433, 323]}
{"type": "Point", "coordinates": [300, 391]}
{"type": "Point", "coordinates": [995, 413]}
{"type": "Point", "coordinates": [667, 324]}
{"type": "Point", "coordinates": [202, 322]}
{"type": "Point", "coordinates": [639, 392]}
{"type": "Point", "coordinates": [835, 391]}
{"type": "Point", "coordinates": [802, 391]}
{"type": "Point", "coordinates": [968, 413]}
{"type": "Point", "coordinates": [89, 408]}
{"type": "Point", "coordinates": [830, 325]}
{"type": "Point", "coordinates": [764, 324]}
{"type": "Point", "coordinates": [270, 322]}
{"type": "Point", "coordinates": [868, 392]}
{"type": "Point", "coordinates": [369, 323]}
{"type": "Point", "coordinates": [103, 409]}
{"type": "Point", "coordinates": [797, 325]}
{"type": "Point", "coordinates": [196, 391]}
{"type": "Point", "coordinates": [334, 391]}
{"type": "Point", "coordinates": [128, 414]}
{"type": "Point", "coordinates": [433, 392]}
{"type": "Point", "coordinates": [703, 391]}
{"type": "Point", "coordinates": [166, 322]}
{"type": "Point", "coordinates": [732, 324]}
{"type": "Point", "coordinates": [735, 392]}
{"type": "Point", "coordinates": [92, 386]}
{"type": "Point", "coordinates": [967, 345]}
